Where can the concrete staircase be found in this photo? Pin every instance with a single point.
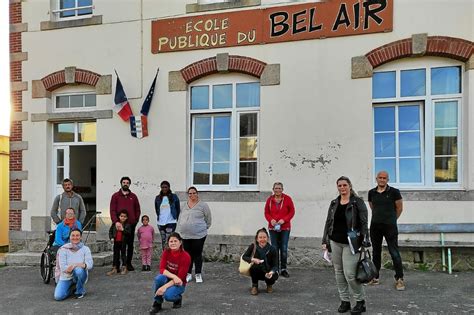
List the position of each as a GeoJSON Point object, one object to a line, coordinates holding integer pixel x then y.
{"type": "Point", "coordinates": [31, 253]}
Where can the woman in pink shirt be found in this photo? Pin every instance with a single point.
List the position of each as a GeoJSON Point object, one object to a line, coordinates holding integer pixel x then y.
{"type": "Point", "coordinates": [146, 235]}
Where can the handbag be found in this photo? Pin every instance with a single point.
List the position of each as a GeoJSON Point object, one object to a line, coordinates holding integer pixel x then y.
{"type": "Point", "coordinates": [244, 267]}
{"type": "Point", "coordinates": [366, 270]}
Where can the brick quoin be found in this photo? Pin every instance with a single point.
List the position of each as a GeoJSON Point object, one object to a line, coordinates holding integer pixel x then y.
{"type": "Point", "coordinates": [15, 220]}
{"type": "Point", "coordinates": [440, 46]}
{"type": "Point", "coordinates": [15, 13]}
{"type": "Point", "coordinates": [208, 66]}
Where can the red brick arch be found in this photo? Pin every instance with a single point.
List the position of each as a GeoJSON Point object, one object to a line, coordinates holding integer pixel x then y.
{"type": "Point", "coordinates": [440, 46]}
{"type": "Point", "coordinates": [208, 66]}
{"type": "Point", "coordinates": [57, 79]}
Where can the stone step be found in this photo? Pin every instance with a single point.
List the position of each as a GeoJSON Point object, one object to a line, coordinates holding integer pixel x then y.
{"type": "Point", "coordinates": [95, 247]}
{"type": "Point", "coordinates": [26, 258]}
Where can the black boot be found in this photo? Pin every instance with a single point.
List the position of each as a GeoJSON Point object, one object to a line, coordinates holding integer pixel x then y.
{"type": "Point", "coordinates": [344, 307]}
{"type": "Point", "coordinates": [177, 304]}
{"type": "Point", "coordinates": [155, 308]}
{"type": "Point", "coordinates": [359, 308]}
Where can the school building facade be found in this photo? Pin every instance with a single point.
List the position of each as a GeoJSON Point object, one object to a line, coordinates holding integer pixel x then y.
{"type": "Point", "coordinates": [249, 92]}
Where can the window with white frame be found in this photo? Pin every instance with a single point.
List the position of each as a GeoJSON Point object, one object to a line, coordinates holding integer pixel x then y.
{"type": "Point", "coordinates": [75, 132]}
{"type": "Point", "coordinates": [417, 120]}
{"type": "Point", "coordinates": [224, 134]}
{"type": "Point", "coordinates": [64, 102]}
{"type": "Point", "coordinates": [70, 9]}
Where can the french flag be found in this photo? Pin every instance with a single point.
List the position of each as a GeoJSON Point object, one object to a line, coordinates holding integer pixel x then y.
{"type": "Point", "coordinates": [122, 106]}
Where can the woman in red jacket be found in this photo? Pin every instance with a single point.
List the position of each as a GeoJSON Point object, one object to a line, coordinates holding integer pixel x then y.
{"type": "Point", "coordinates": [279, 210]}
{"type": "Point", "coordinates": [170, 283]}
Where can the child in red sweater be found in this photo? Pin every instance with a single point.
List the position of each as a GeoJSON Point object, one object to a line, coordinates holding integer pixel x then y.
{"type": "Point", "coordinates": [170, 283]}
{"type": "Point", "coordinates": [146, 235]}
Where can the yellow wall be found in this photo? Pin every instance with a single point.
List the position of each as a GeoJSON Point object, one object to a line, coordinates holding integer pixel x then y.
{"type": "Point", "coordinates": [4, 197]}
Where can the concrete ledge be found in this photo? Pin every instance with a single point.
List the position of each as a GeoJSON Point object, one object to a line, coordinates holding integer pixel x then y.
{"type": "Point", "coordinates": [194, 7]}
{"type": "Point", "coordinates": [18, 27]}
{"type": "Point", "coordinates": [361, 68]}
{"type": "Point", "coordinates": [18, 145]}
{"type": "Point", "coordinates": [18, 86]}
{"type": "Point", "coordinates": [19, 116]}
{"type": "Point", "coordinates": [470, 63]}
{"type": "Point", "coordinates": [15, 1]}
{"type": "Point", "coordinates": [18, 205]}
{"type": "Point", "coordinates": [51, 25]}
{"type": "Point", "coordinates": [38, 90]}
{"type": "Point", "coordinates": [25, 258]}
{"type": "Point", "coordinates": [104, 85]}
{"type": "Point", "coordinates": [222, 61]}
{"type": "Point", "coordinates": [230, 196]}
{"type": "Point", "coordinates": [18, 175]}
{"type": "Point", "coordinates": [419, 43]}
{"type": "Point", "coordinates": [176, 82]}
{"type": "Point", "coordinates": [97, 114]}
{"type": "Point", "coordinates": [432, 195]}
{"type": "Point", "coordinates": [70, 75]}
{"type": "Point", "coordinates": [19, 56]}
{"type": "Point", "coordinates": [270, 75]}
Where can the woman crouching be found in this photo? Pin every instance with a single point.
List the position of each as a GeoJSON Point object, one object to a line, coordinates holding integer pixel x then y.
{"type": "Point", "coordinates": [170, 283]}
{"type": "Point", "coordinates": [264, 260]}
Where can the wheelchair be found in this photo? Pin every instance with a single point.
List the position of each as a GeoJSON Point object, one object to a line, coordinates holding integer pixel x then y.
{"type": "Point", "coordinates": [48, 259]}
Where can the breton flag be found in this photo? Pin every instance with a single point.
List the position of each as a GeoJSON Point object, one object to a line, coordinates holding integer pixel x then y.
{"type": "Point", "coordinates": [139, 124]}
{"type": "Point", "coordinates": [122, 106]}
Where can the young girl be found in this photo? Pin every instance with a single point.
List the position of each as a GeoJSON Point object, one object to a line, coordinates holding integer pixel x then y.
{"type": "Point", "coordinates": [170, 283]}
{"type": "Point", "coordinates": [146, 235]}
{"type": "Point", "coordinates": [119, 235]}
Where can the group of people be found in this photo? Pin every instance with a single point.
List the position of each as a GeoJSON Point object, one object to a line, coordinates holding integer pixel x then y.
{"type": "Point", "coordinates": [183, 231]}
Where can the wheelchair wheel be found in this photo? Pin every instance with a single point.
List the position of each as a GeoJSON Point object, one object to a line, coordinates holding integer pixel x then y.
{"type": "Point", "coordinates": [46, 267]}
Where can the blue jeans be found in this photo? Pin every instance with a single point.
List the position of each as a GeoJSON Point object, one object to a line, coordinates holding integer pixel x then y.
{"type": "Point", "coordinates": [63, 288]}
{"type": "Point", "coordinates": [172, 294]}
{"type": "Point", "coordinates": [280, 242]}
{"type": "Point", "coordinates": [390, 231]}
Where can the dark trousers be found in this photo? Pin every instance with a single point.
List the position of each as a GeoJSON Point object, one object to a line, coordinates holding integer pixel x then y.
{"type": "Point", "coordinates": [165, 231]}
{"type": "Point", "coordinates": [390, 231]}
{"type": "Point", "coordinates": [194, 248]}
{"type": "Point", "coordinates": [119, 254]}
{"type": "Point", "coordinates": [129, 243]}
{"type": "Point", "coordinates": [258, 274]}
{"type": "Point", "coordinates": [280, 242]}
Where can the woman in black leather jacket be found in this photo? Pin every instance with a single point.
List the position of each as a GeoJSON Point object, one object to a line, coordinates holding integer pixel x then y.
{"type": "Point", "coordinates": [347, 218]}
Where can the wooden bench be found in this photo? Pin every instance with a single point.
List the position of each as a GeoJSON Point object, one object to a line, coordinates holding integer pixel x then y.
{"type": "Point", "coordinates": [442, 229]}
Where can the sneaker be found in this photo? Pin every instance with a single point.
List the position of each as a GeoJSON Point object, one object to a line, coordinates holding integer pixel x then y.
{"type": "Point", "coordinates": [112, 272]}
{"type": "Point", "coordinates": [269, 288]}
{"type": "Point", "coordinates": [198, 278]}
{"type": "Point", "coordinates": [155, 308]}
{"type": "Point", "coordinates": [344, 307]}
{"type": "Point", "coordinates": [124, 270]}
{"type": "Point", "coordinates": [399, 285]}
{"type": "Point", "coordinates": [284, 273]}
{"type": "Point", "coordinates": [189, 277]}
{"type": "Point", "coordinates": [178, 303]}
{"type": "Point", "coordinates": [80, 296]}
{"type": "Point", "coordinates": [359, 308]}
{"type": "Point", "coordinates": [254, 291]}
{"type": "Point", "coordinates": [374, 281]}
{"type": "Point", "coordinates": [130, 267]}
{"type": "Point", "coordinates": [144, 268]}
{"type": "Point", "coordinates": [148, 268]}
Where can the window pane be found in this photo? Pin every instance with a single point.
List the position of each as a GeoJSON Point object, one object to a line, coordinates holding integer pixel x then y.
{"type": "Point", "coordinates": [76, 101]}
{"type": "Point", "coordinates": [446, 142]}
{"type": "Point", "coordinates": [90, 100]}
{"type": "Point", "coordinates": [60, 157]}
{"type": "Point", "coordinates": [383, 84]}
{"type": "Point", "coordinates": [202, 150]}
{"type": "Point", "coordinates": [200, 97]}
{"type": "Point", "coordinates": [446, 80]}
{"type": "Point", "coordinates": [384, 118]}
{"type": "Point", "coordinates": [248, 125]}
{"type": "Point", "coordinates": [387, 165]}
{"type": "Point", "coordinates": [446, 169]}
{"type": "Point", "coordinates": [222, 127]}
{"type": "Point", "coordinates": [408, 118]}
{"type": "Point", "coordinates": [385, 144]}
{"type": "Point", "coordinates": [248, 149]}
{"type": "Point", "coordinates": [64, 132]}
{"type": "Point", "coordinates": [413, 82]}
{"type": "Point", "coordinates": [410, 170]}
{"type": "Point", "coordinates": [87, 132]}
{"type": "Point", "coordinates": [59, 175]}
{"type": "Point", "coordinates": [221, 151]}
{"type": "Point", "coordinates": [248, 94]}
{"type": "Point", "coordinates": [446, 114]}
{"type": "Point", "coordinates": [67, 4]}
{"type": "Point", "coordinates": [222, 96]}
{"type": "Point", "coordinates": [83, 3]}
{"type": "Point", "coordinates": [201, 174]}
{"type": "Point", "coordinates": [248, 173]}
{"type": "Point", "coordinates": [220, 173]}
{"type": "Point", "coordinates": [62, 101]}
{"type": "Point", "coordinates": [409, 144]}
{"type": "Point", "coordinates": [203, 128]}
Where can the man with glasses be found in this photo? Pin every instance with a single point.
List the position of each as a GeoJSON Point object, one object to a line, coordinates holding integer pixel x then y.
{"type": "Point", "coordinates": [124, 199]}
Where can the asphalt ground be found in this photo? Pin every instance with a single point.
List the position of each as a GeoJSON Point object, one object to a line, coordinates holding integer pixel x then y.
{"type": "Point", "coordinates": [224, 291]}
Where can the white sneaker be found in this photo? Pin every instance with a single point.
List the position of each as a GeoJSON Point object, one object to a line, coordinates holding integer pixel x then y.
{"type": "Point", "coordinates": [198, 278]}
{"type": "Point", "coordinates": [189, 277]}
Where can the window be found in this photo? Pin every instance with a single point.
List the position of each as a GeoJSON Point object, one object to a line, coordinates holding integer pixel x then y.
{"type": "Point", "coordinates": [69, 9]}
{"type": "Point", "coordinates": [77, 132]}
{"type": "Point", "coordinates": [75, 101]}
{"type": "Point", "coordinates": [224, 135]}
{"type": "Point", "coordinates": [417, 134]}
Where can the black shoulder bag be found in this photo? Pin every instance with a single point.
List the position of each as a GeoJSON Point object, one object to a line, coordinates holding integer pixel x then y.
{"type": "Point", "coordinates": [366, 270]}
